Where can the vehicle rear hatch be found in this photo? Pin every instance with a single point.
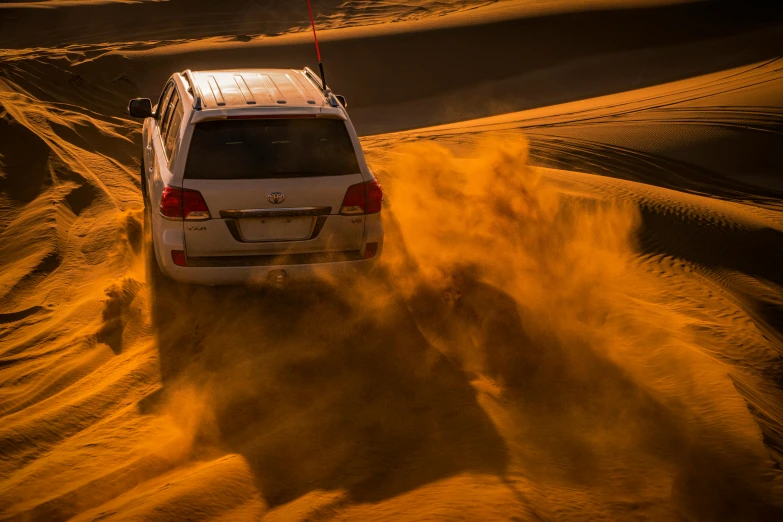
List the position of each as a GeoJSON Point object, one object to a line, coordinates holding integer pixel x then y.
{"type": "Point", "coordinates": [273, 185]}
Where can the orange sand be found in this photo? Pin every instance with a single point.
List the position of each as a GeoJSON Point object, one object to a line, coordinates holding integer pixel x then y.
{"type": "Point", "coordinates": [579, 312]}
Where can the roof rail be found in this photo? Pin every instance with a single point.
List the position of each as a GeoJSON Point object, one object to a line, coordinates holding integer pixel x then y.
{"type": "Point", "coordinates": [310, 74]}
{"type": "Point", "coordinates": [193, 89]}
{"type": "Point", "coordinates": [313, 77]}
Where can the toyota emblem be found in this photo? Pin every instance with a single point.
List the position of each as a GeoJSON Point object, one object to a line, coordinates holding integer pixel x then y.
{"type": "Point", "coordinates": [276, 197]}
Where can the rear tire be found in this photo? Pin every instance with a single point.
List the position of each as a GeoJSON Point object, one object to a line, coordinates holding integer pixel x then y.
{"type": "Point", "coordinates": [143, 178]}
{"type": "Point", "coordinates": [154, 273]}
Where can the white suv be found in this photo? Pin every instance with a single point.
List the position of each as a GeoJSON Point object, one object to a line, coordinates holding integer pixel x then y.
{"type": "Point", "coordinates": [256, 175]}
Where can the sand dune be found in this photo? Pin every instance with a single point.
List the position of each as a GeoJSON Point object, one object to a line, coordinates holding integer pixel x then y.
{"type": "Point", "coordinates": [713, 134]}
{"type": "Point", "coordinates": [594, 333]}
{"type": "Point", "coordinates": [72, 21]}
{"type": "Point", "coordinates": [447, 81]}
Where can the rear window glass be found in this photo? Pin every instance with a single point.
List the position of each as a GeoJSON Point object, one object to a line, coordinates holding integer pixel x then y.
{"type": "Point", "coordinates": [270, 148]}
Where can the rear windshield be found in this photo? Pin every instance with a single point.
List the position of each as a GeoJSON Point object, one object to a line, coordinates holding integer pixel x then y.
{"type": "Point", "coordinates": [270, 148]}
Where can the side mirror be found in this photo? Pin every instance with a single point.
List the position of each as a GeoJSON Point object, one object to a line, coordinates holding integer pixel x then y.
{"type": "Point", "coordinates": [140, 108]}
{"type": "Point", "coordinates": [342, 101]}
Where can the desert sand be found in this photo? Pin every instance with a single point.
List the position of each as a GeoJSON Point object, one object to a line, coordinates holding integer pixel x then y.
{"type": "Point", "coordinates": [579, 313]}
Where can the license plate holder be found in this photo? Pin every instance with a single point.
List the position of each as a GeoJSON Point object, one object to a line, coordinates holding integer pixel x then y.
{"type": "Point", "coordinates": [276, 228]}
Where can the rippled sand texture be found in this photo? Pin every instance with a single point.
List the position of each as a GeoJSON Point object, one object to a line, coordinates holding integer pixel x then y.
{"type": "Point", "coordinates": [579, 314]}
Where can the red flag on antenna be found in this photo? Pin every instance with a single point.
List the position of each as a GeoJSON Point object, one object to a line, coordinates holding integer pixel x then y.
{"type": "Point", "coordinates": [317, 48]}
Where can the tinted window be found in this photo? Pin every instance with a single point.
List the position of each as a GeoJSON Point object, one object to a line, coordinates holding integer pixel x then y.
{"type": "Point", "coordinates": [270, 148]}
{"type": "Point", "coordinates": [173, 131]}
{"type": "Point", "coordinates": [163, 103]}
{"type": "Point", "coordinates": [173, 101]}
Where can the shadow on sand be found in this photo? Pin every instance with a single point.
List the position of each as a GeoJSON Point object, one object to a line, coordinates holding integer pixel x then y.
{"type": "Point", "coordinates": [316, 393]}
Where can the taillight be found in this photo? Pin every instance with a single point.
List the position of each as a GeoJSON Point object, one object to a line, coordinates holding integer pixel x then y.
{"type": "Point", "coordinates": [171, 203]}
{"type": "Point", "coordinates": [195, 206]}
{"type": "Point", "coordinates": [374, 197]}
{"type": "Point", "coordinates": [353, 202]}
{"type": "Point", "coordinates": [362, 198]}
{"type": "Point", "coordinates": [177, 203]}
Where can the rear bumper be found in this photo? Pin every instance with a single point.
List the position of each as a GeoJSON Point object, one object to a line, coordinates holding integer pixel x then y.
{"type": "Point", "coordinates": [236, 275]}
{"type": "Point", "coordinates": [236, 270]}
{"type": "Point", "coordinates": [256, 269]}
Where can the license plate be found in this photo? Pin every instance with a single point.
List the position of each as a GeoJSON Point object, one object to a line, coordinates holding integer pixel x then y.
{"type": "Point", "coordinates": [276, 228]}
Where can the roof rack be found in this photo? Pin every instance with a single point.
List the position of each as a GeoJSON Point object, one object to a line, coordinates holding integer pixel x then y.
{"type": "Point", "coordinates": [310, 74]}
{"type": "Point", "coordinates": [313, 77]}
{"type": "Point", "coordinates": [193, 89]}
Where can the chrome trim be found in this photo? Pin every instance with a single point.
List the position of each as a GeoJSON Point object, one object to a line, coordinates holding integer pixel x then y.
{"type": "Point", "coordinates": [275, 212]}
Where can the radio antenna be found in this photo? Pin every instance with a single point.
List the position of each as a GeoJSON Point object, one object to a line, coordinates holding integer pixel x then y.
{"type": "Point", "coordinates": [317, 49]}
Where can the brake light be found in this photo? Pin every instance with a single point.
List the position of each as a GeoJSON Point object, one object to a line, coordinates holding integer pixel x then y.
{"type": "Point", "coordinates": [362, 198]}
{"type": "Point", "coordinates": [177, 203]}
{"type": "Point", "coordinates": [171, 203]}
{"type": "Point", "coordinates": [374, 197]}
{"type": "Point", "coordinates": [353, 202]}
{"type": "Point", "coordinates": [195, 206]}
